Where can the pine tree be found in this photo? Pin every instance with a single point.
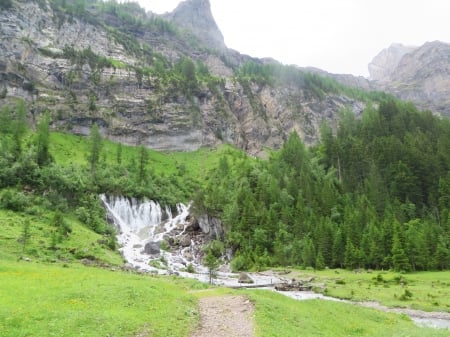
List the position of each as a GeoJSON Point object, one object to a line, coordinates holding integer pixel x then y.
{"type": "Point", "coordinates": [400, 260]}
{"type": "Point", "coordinates": [43, 156]}
{"type": "Point", "coordinates": [143, 161]}
{"type": "Point", "coordinates": [119, 154]}
{"type": "Point", "coordinates": [212, 263]}
{"type": "Point", "coordinates": [95, 147]}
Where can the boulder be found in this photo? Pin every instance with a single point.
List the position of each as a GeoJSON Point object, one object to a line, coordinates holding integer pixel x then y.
{"type": "Point", "coordinates": [245, 278]}
{"type": "Point", "coordinates": [152, 248]}
{"type": "Point", "coordinates": [185, 241]}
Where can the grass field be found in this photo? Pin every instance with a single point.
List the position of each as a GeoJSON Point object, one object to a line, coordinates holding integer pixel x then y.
{"type": "Point", "coordinates": [45, 300]}
{"type": "Point", "coordinates": [429, 291]}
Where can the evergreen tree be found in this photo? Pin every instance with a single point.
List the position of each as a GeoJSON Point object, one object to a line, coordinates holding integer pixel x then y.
{"type": "Point", "coordinates": [143, 162]}
{"type": "Point", "coordinates": [212, 263]}
{"type": "Point", "coordinates": [442, 255]}
{"type": "Point", "coordinates": [43, 156]}
{"type": "Point", "coordinates": [400, 261]}
{"type": "Point", "coordinates": [119, 154]}
{"type": "Point", "coordinates": [95, 147]}
{"type": "Point", "coordinates": [19, 127]}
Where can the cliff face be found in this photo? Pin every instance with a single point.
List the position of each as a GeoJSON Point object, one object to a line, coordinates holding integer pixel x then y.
{"type": "Point", "coordinates": [385, 63]}
{"type": "Point", "coordinates": [167, 82]}
{"type": "Point", "coordinates": [420, 75]}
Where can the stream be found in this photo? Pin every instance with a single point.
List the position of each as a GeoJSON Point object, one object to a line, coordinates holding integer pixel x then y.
{"type": "Point", "coordinates": [144, 227]}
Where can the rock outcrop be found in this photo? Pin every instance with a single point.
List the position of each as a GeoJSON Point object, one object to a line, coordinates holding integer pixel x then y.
{"type": "Point", "coordinates": [422, 76]}
{"type": "Point", "coordinates": [385, 63]}
{"type": "Point", "coordinates": [127, 72]}
{"type": "Point", "coordinates": [196, 16]}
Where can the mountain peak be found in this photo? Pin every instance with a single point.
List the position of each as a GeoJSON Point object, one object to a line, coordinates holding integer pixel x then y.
{"type": "Point", "coordinates": [382, 66]}
{"type": "Point", "coordinates": [196, 16]}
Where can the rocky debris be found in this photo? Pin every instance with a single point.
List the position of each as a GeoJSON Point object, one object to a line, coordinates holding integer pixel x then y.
{"type": "Point", "coordinates": [245, 278]}
{"type": "Point", "coordinates": [295, 285]}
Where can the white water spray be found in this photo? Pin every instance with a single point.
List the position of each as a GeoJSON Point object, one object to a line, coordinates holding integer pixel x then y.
{"type": "Point", "coordinates": [141, 223]}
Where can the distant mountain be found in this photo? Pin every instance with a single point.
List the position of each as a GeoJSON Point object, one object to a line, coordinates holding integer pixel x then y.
{"type": "Point", "coordinates": [384, 64]}
{"type": "Point", "coordinates": [417, 74]}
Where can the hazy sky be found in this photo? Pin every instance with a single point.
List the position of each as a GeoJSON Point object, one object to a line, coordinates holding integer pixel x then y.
{"type": "Point", "coordinates": [339, 36]}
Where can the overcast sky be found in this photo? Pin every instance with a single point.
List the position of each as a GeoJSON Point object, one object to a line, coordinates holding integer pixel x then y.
{"type": "Point", "coordinates": [339, 36]}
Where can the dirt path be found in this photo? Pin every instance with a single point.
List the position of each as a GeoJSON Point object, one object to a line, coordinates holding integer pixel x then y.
{"type": "Point", "coordinates": [225, 316]}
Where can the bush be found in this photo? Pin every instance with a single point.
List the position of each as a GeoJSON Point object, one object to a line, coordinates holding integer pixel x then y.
{"type": "Point", "coordinates": [14, 200]}
{"type": "Point", "coordinates": [406, 295]}
{"type": "Point", "coordinates": [190, 268]}
{"type": "Point", "coordinates": [240, 263]}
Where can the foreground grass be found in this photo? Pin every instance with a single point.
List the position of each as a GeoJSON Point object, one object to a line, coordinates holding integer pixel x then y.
{"type": "Point", "coordinates": [277, 315]}
{"type": "Point", "coordinates": [45, 300]}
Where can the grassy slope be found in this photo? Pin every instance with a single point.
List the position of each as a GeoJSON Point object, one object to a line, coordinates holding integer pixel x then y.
{"type": "Point", "coordinates": [81, 242]}
{"type": "Point", "coordinates": [71, 149]}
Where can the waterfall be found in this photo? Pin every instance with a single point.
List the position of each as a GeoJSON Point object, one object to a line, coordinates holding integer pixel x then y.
{"type": "Point", "coordinates": [142, 225]}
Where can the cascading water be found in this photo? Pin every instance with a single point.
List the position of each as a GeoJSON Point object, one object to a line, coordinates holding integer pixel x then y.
{"type": "Point", "coordinates": [143, 226]}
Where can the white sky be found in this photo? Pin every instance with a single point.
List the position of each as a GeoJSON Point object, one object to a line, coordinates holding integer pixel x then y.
{"type": "Point", "coordinates": [339, 36]}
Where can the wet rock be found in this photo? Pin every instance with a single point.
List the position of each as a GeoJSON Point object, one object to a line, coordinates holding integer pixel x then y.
{"type": "Point", "coordinates": [188, 256]}
{"type": "Point", "coordinates": [245, 278]}
{"type": "Point", "coordinates": [192, 225]}
{"type": "Point", "coordinates": [185, 241]}
{"type": "Point", "coordinates": [152, 248]}
{"type": "Point", "coordinates": [211, 226]}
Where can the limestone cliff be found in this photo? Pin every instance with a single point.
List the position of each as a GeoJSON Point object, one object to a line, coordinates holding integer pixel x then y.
{"type": "Point", "coordinates": [167, 82]}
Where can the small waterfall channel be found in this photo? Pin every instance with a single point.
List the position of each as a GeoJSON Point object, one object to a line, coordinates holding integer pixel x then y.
{"type": "Point", "coordinates": [145, 229]}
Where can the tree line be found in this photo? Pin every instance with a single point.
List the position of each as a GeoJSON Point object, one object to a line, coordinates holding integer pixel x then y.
{"type": "Point", "coordinates": [375, 193]}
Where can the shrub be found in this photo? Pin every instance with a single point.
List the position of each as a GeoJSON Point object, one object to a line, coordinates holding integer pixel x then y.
{"type": "Point", "coordinates": [13, 200]}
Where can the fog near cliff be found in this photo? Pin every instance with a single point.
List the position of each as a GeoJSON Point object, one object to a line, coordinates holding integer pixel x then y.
{"type": "Point", "coordinates": [336, 36]}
